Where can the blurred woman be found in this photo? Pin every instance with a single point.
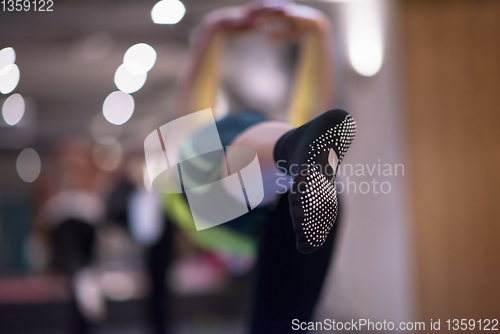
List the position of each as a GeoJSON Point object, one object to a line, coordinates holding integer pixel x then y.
{"type": "Point", "coordinates": [288, 282]}
{"type": "Point", "coordinates": [71, 212]}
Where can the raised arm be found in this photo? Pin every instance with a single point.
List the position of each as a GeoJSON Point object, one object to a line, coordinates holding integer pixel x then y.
{"type": "Point", "coordinates": [313, 89]}
{"type": "Point", "coordinates": [313, 86]}
{"type": "Point", "coordinates": [198, 86]}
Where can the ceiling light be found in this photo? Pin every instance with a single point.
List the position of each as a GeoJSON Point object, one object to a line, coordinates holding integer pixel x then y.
{"type": "Point", "coordinates": [28, 165]}
{"type": "Point", "coordinates": [139, 58]}
{"type": "Point", "coordinates": [118, 107]}
{"type": "Point", "coordinates": [128, 82]}
{"type": "Point", "coordinates": [7, 57]}
{"type": "Point", "coordinates": [168, 12]}
{"type": "Point", "coordinates": [9, 78]}
{"type": "Point", "coordinates": [13, 109]}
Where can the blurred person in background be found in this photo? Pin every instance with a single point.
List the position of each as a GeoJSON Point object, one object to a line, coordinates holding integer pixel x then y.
{"type": "Point", "coordinates": [139, 211]}
{"type": "Point", "coordinates": [68, 219]}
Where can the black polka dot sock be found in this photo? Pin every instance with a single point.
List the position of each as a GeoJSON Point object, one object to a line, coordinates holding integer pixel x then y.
{"type": "Point", "coordinates": [312, 154]}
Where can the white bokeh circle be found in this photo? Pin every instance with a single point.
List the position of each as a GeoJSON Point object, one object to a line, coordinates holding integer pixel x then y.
{"type": "Point", "coordinates": [118, 107]}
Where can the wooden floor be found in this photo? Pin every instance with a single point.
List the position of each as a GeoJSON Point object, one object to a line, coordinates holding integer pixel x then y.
{"type": "Point", "coordinates": [452, 75]}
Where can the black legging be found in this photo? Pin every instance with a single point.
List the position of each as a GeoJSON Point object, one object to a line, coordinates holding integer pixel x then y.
{"type": "Point", "coordinates": [158, 260]}
{"type": "Point", "coordinates": [288, 283]}
{"type": "Point", "coordinates": [73, 244]}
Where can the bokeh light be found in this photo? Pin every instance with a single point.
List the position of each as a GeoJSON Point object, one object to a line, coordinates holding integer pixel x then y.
{"type": "Point", "coordinates": [128, 82]}
{"type": "Point", "coordinates": [168, 12]}
{"type": "Point", "coordinates": [118, 107]}
{"type": "Point", "coordinates": [364, 36]}
{"type": "Point", "coordinates": [7, 57]}
{"type": "Point", "coordinates": [28, 165]}
{"type": "Point", "coordinates": [13, 109]}
{"type": "Point", "coordinates": [118, 286]}
{"type": "Point", "coordinates": [139, 58]}
{"type": "Point", "coordinates": [9, 78]}
{"type": "Point", "coordinates": [107, 153]}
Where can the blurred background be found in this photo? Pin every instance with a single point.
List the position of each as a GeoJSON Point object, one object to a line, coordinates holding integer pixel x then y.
{"type": "Point", "coordinates": [421, 78]}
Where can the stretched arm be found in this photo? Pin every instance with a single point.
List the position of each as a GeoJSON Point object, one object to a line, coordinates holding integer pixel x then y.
{"type": "Point", "coordinates": [313, 87]}
{"type": "Point", "coordinates": [198, 86]}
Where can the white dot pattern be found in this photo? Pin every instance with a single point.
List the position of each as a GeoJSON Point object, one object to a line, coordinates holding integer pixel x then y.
{"type": "Point", "coordinates": [319, 197]}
